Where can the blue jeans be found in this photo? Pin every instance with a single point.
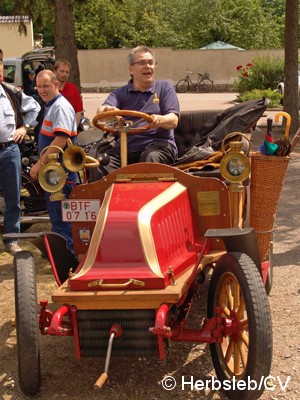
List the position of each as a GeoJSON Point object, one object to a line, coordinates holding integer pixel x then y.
{"type": "Point", "coordinates": [10, 186]}
{"type": "Point", "coordinates": [54, 209]}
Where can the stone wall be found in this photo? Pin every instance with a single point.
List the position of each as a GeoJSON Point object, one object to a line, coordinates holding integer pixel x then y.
{"type": "Point", "coordinates": [103, 70]}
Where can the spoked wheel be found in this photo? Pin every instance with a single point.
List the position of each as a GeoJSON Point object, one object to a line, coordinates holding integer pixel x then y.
{"type": "Point", "coordinates": [27, 323]}
{"type": "Point", "coordinates": [246, 350]}
{"type": "Point", "coordinates": [182, 86]}
{"type": "Point", "coordinates": [205, 85]}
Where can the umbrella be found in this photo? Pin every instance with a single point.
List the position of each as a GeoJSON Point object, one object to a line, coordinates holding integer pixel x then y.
{"type": "Point", "coordinates": [284, 145]}
{"type": "Point", "coordinates": [268, 147]}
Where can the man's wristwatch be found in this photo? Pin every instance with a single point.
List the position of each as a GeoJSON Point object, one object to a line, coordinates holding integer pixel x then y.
{"type": "Point", "coordinates": [27, 126]}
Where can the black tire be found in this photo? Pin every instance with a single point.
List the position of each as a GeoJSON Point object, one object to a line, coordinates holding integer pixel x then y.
{"type": "Point", "coordinates": [236, 279]}
{"type": "Point", "coordinates": [205, 86]}
{"type": "Point", "coordinates": [182, 86]}
{"type": "Point", "coordinates": [27, 323]}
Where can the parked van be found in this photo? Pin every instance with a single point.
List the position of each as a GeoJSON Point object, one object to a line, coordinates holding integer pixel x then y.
{"type": "Point", "coordinates": [16, 69]}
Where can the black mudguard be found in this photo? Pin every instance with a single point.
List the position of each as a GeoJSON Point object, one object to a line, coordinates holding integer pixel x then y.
{"type": "Point", "coordinates": [238, 240]}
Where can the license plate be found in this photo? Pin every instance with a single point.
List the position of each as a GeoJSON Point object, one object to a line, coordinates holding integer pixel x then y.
{"type": "Point", "coordinates": [80, 210]}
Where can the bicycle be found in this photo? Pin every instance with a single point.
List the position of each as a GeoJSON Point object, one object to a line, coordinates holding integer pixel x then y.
{"type": "Point", "coordinates": [204, 83]}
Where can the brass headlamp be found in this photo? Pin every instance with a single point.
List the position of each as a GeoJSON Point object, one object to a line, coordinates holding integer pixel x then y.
{"type": "Point", "coordinates": [52, 176]}
{"type": "Point", "coordinates": [235, 164]}
{"type": "Point", "coordinates": [235, 169]}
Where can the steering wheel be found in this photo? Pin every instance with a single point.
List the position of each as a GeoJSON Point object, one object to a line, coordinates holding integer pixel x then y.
{"type": "Point", "coordinates": [121, 125]}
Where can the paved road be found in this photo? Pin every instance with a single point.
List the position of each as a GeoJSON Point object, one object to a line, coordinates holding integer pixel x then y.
{"type": "Point", "coordinates": [187, 101]}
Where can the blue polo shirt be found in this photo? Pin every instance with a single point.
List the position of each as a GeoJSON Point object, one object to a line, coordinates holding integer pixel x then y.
{"type": "Point", "coordinates": [59, 120]}
{"type": "Point", "coordinates": [160, 98]}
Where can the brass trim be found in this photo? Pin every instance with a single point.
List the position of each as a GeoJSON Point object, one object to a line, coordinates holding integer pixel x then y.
{"type": "Point", "coordinates": [52, 166]}
{"type": "Point", "coordinates": [131, 281]}
{"type": "Point", "coordinates": [160, 177]}
{"type": "Point", "coordinates": [97, 234]}
{"type": "Point", "coordinates": [144, 218]}
{"type": "Point", "coordinates": [225, 161]}
{"type": "Point", "coordinates": [208, 203]}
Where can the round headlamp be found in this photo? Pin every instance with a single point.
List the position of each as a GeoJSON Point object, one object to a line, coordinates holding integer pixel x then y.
{"type": "Point", "coordinates": [235, 167]}
{"type": "Point", "coordinates": [52, 176]}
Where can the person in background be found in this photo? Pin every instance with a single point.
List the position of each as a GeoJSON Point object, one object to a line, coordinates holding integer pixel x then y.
{"type": "Point", "coordinates": [1, 55]}
{"type": "Point", "coordinates": [62, 68]}
{"type": "Point", "coordinates": [29, 84]}
{"type": "Point", "coordinates": [18, 113]}
{"type": "Point", "coordinates": [155, 97]}
{"type": "Point", "coordinates": [59, 124]}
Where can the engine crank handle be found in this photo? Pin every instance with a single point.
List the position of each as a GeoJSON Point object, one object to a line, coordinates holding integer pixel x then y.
{"type": "Point", "coordinates": [103, 377]}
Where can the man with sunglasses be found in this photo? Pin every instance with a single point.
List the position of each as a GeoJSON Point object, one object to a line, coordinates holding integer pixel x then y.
{"type": "Point", "coordinates": [154, 97]}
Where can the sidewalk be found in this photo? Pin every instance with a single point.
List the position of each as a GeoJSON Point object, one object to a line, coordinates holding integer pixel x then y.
{"type": "Point", "coordinates": [187, 101]}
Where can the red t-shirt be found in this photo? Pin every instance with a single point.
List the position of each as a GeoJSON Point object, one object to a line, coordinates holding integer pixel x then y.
{"type": "Point", "coordinates": [71, 93]}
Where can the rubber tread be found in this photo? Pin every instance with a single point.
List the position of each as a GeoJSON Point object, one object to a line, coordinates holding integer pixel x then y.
{"type": "Point", "coordinates": [27, 323]}
{"type": "Point", "coordinates": [259, 321]}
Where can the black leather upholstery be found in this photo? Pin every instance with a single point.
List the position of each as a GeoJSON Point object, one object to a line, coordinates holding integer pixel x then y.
{"type": "Point", "coordinates": [187, 133]}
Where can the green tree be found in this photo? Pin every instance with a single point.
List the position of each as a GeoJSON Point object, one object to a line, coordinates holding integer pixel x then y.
{"type": "Point", "coordinates": [64, 26]}
{"type": "Point", "coordinates": [180, 24]}
{"type": "Point", "coordinates": [291, 96]}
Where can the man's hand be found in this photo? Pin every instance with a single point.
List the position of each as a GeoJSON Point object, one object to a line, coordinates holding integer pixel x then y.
{"type": "Point", "coordinates": [19, 134]}
{"type": "Point", "coordinates": [106, 108]}
{"type": "Point", "coordinates": [167, 121]}
{"type": "Point", "coordinates": [35, 169]}
{"type": "Point", "coordinates": [156, 121]}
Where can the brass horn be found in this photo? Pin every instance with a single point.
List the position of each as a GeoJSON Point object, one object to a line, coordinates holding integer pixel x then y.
{"type": "Point", "coordinates": [75, 159]}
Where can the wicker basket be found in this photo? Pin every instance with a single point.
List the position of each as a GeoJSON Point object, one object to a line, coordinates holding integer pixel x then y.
{"type": "Point", "coordinates": [267, 178]}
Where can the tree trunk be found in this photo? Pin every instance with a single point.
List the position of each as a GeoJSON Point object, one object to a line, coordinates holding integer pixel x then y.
{"type": "Point", "coordinates": [65, 44]}
{"type": "Point", "coordinates": [291, 96]}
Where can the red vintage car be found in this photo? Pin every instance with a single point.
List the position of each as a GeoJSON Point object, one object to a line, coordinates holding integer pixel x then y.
{"type": "Point", "coordinates": [146, 237]}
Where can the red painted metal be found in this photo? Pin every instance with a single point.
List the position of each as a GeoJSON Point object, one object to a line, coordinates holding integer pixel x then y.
{"type": "Point", "coordinates": [116, 329]}
{"type": "Point", "coordinates": [58, 326]}
{"type": "Point", "coordinates": [161, 330]}
{"type": "Point", "coordinates": [45, 317]}
{"type": "Point", "coordinates": [212, 331]}
{"type": "Point", "coordinates": [170, 233]}
{"type": "Point", "coordinates": [265, 265]}
{"type": "Point", "coordinates": [51, 260]}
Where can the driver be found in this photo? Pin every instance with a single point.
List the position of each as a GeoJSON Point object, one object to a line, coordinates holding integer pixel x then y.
{"type": "Point", "coordinates": [154, 97]}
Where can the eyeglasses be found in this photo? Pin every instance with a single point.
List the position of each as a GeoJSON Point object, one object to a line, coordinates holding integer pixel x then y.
{"type": "Point", "coordinates": [143, 63]}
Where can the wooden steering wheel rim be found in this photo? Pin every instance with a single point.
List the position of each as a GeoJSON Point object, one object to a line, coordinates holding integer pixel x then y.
{"type": "Point", "coordinates": [122, 113]}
